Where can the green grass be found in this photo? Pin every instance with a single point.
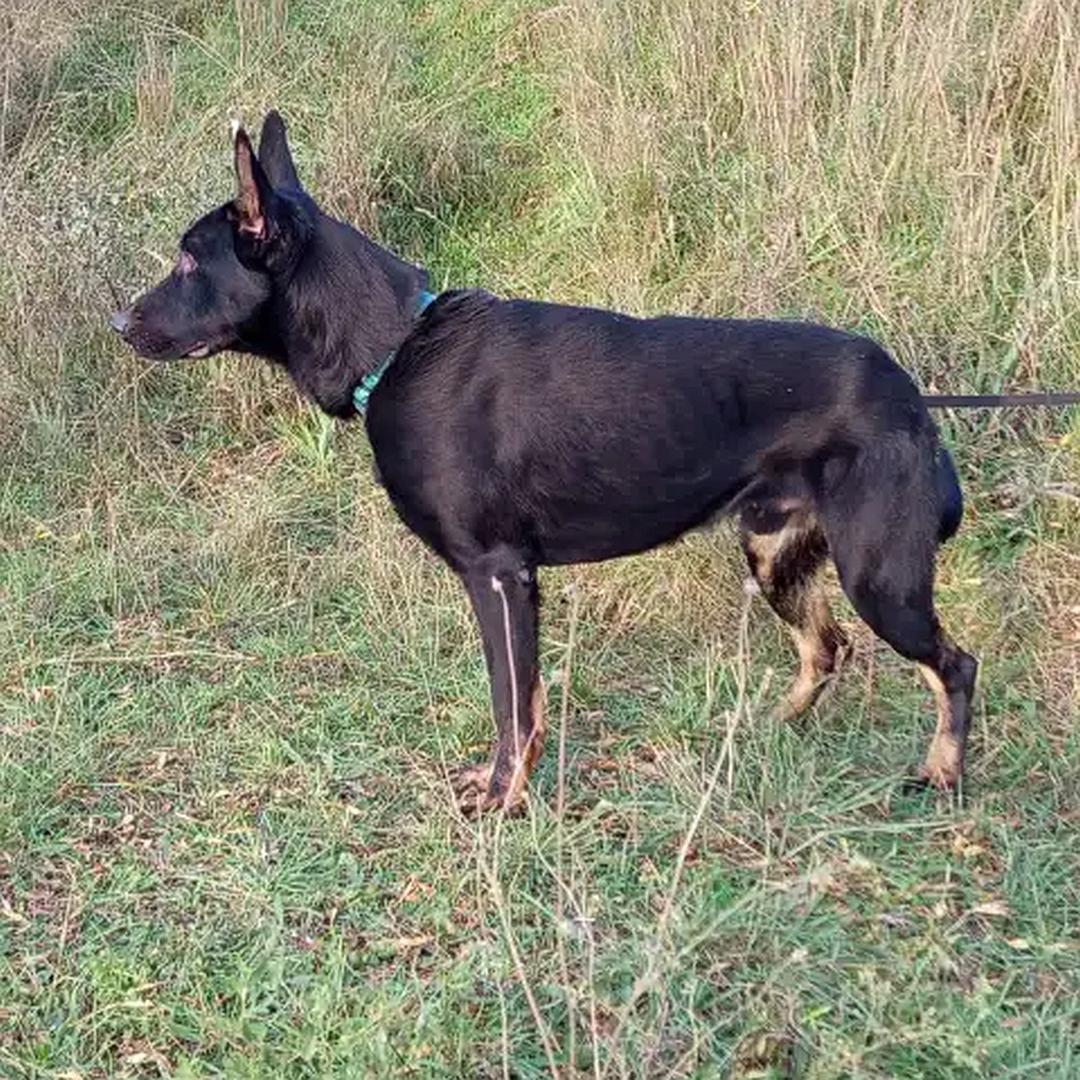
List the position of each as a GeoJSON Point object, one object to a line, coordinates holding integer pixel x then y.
{"type": "Point", "coordinates": [232, 685]}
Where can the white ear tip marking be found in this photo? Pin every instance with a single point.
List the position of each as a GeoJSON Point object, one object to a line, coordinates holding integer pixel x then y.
{"type": "Point", "coordinates": [234, 128]}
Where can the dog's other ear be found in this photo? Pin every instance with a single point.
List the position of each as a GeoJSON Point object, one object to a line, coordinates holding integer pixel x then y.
{"type": "Point", "coordinates": [253, 188]}
{"type": "Point", "coordinates": [274, 153]}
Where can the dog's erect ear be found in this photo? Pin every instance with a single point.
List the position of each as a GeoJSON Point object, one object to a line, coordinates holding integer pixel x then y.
{"type": "Point", "coordinates": [274, 153]}
{"type": "Point", "coordinates": [253, 188]}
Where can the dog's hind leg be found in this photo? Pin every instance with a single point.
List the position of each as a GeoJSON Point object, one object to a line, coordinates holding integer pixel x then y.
{"type": "Point", "coordinates": [505, 597]}
{"type": "Point", "coordinates": [884, 542]}
{"type": "Point", "coordinates": [913, 630]}
{"type": "Point", "coordinates": [951, 677]}
{"type": "Point", "coordinates": [785, 553]}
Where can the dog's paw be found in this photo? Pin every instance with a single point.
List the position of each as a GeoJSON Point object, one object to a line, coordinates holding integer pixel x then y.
{"type": "Point", "coordinates": [813, 685]}
{"type": "Point", "coordinates": [471, 779]}
{"type": "Point", "coordinates": [477, 794]}
{"type": "Point", "coordinates": [933, 776]}
{"type": "Point", "coordinates": [798, 700]}
{"type": "Point", "coordinates": [944, 763]}
{"type": "Point", "coordinates": [926, 778]}
{"type": "Point", "coordinates": [470, 786]}
{"type": "Point", "coordinates": [804, 694]}
{"type": "Point", "coordinates": [914, 782]}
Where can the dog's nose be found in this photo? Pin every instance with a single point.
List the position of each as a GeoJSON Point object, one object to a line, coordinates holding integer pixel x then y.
{"type": "Point", "coordinates": [120, 321]}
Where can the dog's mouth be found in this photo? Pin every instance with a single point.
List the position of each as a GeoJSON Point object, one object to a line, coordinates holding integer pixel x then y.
{"type": "Point", "coordinates": [167, 351]}
{"type": "Point", "coordinates": [164, 351]}
{"type": "Point", "coordinates": [156, 346]}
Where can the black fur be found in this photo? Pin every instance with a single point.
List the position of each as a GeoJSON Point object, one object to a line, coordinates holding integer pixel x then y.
{"type": "Point", "coordinates": [511, 434]}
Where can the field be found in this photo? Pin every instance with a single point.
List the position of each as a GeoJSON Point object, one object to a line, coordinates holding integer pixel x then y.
{"type": "Point", "coordinates": [232, 685]}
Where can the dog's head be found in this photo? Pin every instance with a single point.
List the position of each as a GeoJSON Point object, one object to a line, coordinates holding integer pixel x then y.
{"type": "Point", "coordinates": [218, 293]}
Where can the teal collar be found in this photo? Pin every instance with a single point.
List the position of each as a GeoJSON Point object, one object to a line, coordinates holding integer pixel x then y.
{"type": "Point", "coordinates": [368, 383]}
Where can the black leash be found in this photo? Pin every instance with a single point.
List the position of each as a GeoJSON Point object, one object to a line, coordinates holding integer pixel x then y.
{"type": "Point", "coordinates": [996, 401]}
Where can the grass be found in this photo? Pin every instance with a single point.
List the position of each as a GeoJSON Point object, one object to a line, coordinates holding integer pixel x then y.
{"type": "Point", "coordinates": [231, 685]}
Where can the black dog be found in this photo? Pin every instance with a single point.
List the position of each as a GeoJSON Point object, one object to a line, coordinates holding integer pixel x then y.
{"type": "Point", "coordinates": [511, 434]}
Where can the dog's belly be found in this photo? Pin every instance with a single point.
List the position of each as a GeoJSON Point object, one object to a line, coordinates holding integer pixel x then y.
{"type": "Point", "coordinates": [586, 530]}
{"type": "Point", "coordinates": [593, 525]}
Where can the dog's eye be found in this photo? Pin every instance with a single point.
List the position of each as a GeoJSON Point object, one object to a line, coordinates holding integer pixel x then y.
{"type": "Point", "coordinates": [185, 264]}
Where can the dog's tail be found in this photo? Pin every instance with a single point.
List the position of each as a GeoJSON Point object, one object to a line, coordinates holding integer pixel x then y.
{"type": "Point", "coordinates": [1001, 401]}
{"type": "Point", "coordinates": [950, 498]}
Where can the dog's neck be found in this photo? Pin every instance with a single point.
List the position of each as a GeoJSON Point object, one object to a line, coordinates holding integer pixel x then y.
{"type": "Point", "coordinates": [346, 306]}
{"type": "Point", "coordinates": [363, 390]}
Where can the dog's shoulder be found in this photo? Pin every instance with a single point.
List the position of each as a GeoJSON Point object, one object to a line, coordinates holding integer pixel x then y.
{"type": "Point", "coordinates": [459, 307]}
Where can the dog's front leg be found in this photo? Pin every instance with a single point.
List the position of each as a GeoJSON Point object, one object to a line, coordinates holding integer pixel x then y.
{"type": "Point", "coordinates": [503, 590]}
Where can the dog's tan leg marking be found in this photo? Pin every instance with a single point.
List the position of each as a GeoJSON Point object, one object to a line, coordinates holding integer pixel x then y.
{"type": "Point", "coordinates": [526, 757]}
{"type": "Point", "coordinates": [944, 759]}
{"type": "Point", "coordinates": [822, 649]}
{"type": "Point", "coordinates": [474, 786]}
{"type": "Point", "coordinates": [760, 552]}
{"type": "Point", "coordinates": [786, 564]}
